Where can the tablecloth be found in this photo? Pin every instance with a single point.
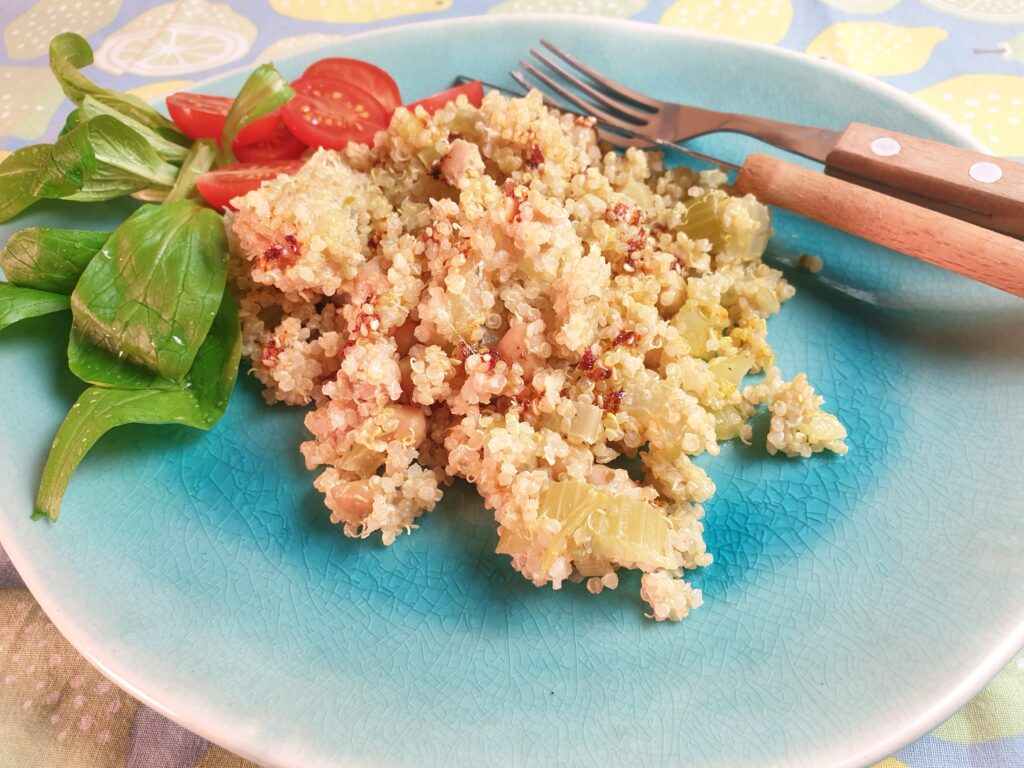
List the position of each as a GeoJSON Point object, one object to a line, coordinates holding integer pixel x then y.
{"type": "Point", "coordinates": [963, 57]}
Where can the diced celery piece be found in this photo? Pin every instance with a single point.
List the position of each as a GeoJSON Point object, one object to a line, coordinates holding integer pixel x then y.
{"type": "Point", "coordinates": [361, 460]}
{"type": "Point", "coordinates": [607, 526]}
{"type": "Point", "coordinates": [739, 226]}
{"type": "Point", "coordinates": [731, 370]}
{"type": "Point", "coordinates": [823, 427]}
{"type": "Point", "coordinates": [568, 502]}
{"type": "Point", "coordinates": [728, 423]}
{"type": "Point", "coordinates": [644, 401]}
{"type": "Point", "coordinates": [704, 219]}
{"type": "Point", "coordinates": [698, 324]}
{"type": "Point", "coordinates": [586, 424]}
{"type": "Point", "coordinates": [510, 542]}
{"type": "Point", "coordinates": [747, 226]}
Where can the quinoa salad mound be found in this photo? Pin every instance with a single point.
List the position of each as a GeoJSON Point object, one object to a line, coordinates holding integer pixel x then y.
{"type": "Point", "coordinates": [490, 294]}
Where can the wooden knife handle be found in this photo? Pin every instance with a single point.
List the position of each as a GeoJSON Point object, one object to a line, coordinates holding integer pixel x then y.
{"type": "Point", "coordinates": [952, 244]}
{"type": "Point", "coordinates": [979, 188]}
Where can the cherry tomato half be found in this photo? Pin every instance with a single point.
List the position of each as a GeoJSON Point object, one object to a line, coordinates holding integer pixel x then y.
{"type": "Point", "coordinates": [219, 187]}
{"type": "Point", "coordinates": [202, 117]}
{"type": "Point", "coordinates": [197, 115]}
{"type": "Point", "coordinates": [362, 74]}
{"type": "Point", "coordinates": [473, 91]}
{"type": "Point", "coordinates": [331, 113]}
{"type": "Point", "coordinates": [282, 145]}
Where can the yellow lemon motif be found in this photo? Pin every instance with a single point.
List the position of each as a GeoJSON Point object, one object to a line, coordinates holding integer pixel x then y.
{"type": "Point", "coordinates": [891, 762]}
{"type": "Point", "coordinates": [289, 46]}
{"type": "Point", "coordinates": [355, 11]}
{"type": "Point", "coordinates": [864, 6]}
{"type": "Point", "coordinates": [622, 9]}
{"type": "Point", "coordinates": [29, 35]}
{"type": "Point", "coordinates": [992, 11]}
{"type": "Point", "coordinates": [28, 98]}
{"type": "Point", "coordinates": [876, 48]}
{"type": "Point", "coordinates": [765, 21]}
{"type": "Point", "coordinates": [177, 38]}
{"type": "Point", "coordinates": [154, 91]}
{"type": "Point", "coordinates": [991, 107]}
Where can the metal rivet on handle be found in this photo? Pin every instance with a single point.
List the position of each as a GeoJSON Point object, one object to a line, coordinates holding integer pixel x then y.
{"type": "Point", "coordinates": [986, 172]}
{"type": "Point", "coordinates": [886, 146]}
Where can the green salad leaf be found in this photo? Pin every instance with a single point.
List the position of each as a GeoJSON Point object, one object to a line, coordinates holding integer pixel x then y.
{"type": "Point", "coordinates": [200, 159]}
{"type": "Point", "coordinates": [17, 303]}
{"type": "Point", "coordinates": [71, 121]}
{"type": "Point", "coordinates": [18, 177]}
{"type": "Point", "coordinates": [263, 92]}
{"type": "Point", "coordinates": [155, 333]}
{"type": "Point", "coordinates": [49, 259]}
{"type": "Point", "coordinates": [66, 165]}
{"type": "Point", "coordinates": [99, 159]}
{"type": "Point", "coordinates": [103, 158]}
{"type": "Point", "coordinates": [69, 52]}
{"type": "Point", "coordinates": [125, 162]}
{"type": "Point", "coordinates": [99, 366]}
{"type": "Point", "coordinates": [198, 402]}
{"type": "Point", "coordinates": [151, 293]}
{"type": "Point", "coordinates": [165, 149]}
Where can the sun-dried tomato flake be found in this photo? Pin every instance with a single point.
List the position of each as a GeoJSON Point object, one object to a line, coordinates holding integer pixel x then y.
{"type": "Point", "coordinates": [629, 338]}
{"type": "Point", "coordinates": [271, 351]}
{"type": "Point", "coordinates": [613, 401]}
{"type": "Point", "coordinates": [280, 256]}
{"type": "Point", "coordinates": [586, 362]}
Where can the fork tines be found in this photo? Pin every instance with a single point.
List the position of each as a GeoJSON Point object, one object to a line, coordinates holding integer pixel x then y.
{"type": "Point", "coordinates": [597, 95]}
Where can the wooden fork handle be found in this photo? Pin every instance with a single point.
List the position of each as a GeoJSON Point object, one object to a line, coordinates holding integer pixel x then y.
{"type": "Point", "coordinates": [952, 244]}
{"type": "Point", "coordinates": [985, 190]}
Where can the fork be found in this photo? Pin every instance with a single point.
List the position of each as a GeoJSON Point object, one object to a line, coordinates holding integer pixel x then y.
{"type": "Point", "coordinates": [951, 243]}
{"type": "Point", "coordinates": [984, 190]}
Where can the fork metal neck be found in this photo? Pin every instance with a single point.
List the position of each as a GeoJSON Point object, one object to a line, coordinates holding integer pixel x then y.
{"type": "Point", "coordinates": [806, 141]}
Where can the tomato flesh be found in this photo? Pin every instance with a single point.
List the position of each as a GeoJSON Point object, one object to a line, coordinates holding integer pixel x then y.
{"type": "Point", "coordinates": [260, 129]}
{"type": "Point", "coordinates": [197, 115]}
{"type": "Point", "coordinates": [331, 113]}
{"type": "Point", "coordinates": [202, 117]}
{"type": "Point", "coordinates": [473, 91]}
{"type": "Point", "coordinates": [282, 145]}
{"type": "Point", "coordinates": [222, 185]}
{"type": "Point", "coordinates": [362, 74]}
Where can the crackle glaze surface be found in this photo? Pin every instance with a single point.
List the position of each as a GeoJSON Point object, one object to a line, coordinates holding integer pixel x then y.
{"type": "Point", "coordinates": [852, 604]}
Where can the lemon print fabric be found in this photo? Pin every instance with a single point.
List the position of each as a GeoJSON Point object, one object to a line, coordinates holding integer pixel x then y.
{"type": "Point", "coordinates": [177, 38]}
{"type": "Point", "coordinates": [891, 762]}
{"type": "Point", "coordinates": [992, 11]}
{"type": "Point", "coordinates": [289, 46]}
{"type": "Point", "coordinates": [28, 36]}
{"type": "Point", "coordinates": [990, 107]}
{"type": "Point", "coordinates": [57, 710]}
{"type": "Point", "coordinates": [995, 713]}
{"type": "Point", "coordinates": [864, 6]}
{"type": "Point", "coordinates": [355, 11]}
{"type": "Point", "coordinates": [28, 98]}
{"type": "Point", "coordinates": [876, 48]}
{"type": "Point", "coordinates": [766, 21]}
{"type": "Point", "coordinates": [1012, 50]}
{"type": "Point", "coordinates": [621, 9]}
{"type": "Point", "coordinates": [154, 91]}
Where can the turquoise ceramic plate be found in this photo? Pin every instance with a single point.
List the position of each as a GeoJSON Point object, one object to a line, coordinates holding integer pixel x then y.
{"type": "Point", "coordinates": [853, 603]}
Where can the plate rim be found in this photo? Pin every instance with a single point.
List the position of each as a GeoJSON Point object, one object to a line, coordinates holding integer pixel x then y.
{"type": "Point", "coordinates": [185, 711]}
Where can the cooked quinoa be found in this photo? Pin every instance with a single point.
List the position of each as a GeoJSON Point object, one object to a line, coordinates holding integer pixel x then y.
{"type": "Point", "coordinates": [492, 295]}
